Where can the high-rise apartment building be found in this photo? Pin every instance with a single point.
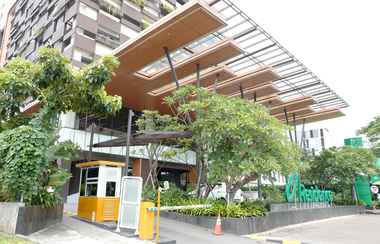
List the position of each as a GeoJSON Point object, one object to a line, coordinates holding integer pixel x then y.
{"type": "Point", "coordinates": [6, 15]}
{"type": "Point", "coordinates": [314, 140]}
{"type": "Point", "coordinates": [82, 29]}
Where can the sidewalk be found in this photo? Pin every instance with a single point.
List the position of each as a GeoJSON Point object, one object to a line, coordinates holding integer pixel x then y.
{"type": "Point", "coordinates": [73, 231]}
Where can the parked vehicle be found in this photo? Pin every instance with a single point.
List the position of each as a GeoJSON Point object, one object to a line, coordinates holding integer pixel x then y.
{"type": "Point", "coordinates": [220, 192]}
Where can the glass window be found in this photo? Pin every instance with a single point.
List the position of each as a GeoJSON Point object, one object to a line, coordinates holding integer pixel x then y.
{"type": "Point", "coordinates": [92, 173]}
{"type": "Point", "coordinates": [92, 189]}
{"type": "Point", "coordinates": [86, 33]}
{"type": "Point", "coordinates": [66, 43]}
{"type": "Point", "coordinates": [88, 11]}
{"type": "Point", "coordinates": [83, 182]}
{"type": "Point", "coordinates": [110, 189]}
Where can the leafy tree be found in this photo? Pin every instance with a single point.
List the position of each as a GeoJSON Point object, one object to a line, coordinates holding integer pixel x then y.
{"type": "Point", "coordinates": [28, 146]}
{"type": "Point", "coordinates": [152, 121]}
{"type": "Point", "coordinates": [372, 131]}
{"type": "Point", "coordinates": [336, 168]}
{"type": "Point", "coordinates": [237, 140]}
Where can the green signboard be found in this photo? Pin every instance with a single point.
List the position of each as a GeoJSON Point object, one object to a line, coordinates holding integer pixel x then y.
{"type": "Point", "coordinates": [362, 189]}
{"type": "Point", "coordinates": [297, 192]}
{"type": "Point", "coordinates": [353, 142]}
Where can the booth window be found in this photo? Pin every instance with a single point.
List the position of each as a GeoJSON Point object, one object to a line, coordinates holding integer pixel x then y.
{"type": "Point", "coordinates": [89, 182]}
{"type": "Point", "coordinates": [110, 189]}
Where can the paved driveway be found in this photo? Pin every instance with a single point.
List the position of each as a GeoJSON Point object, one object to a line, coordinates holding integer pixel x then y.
{"type": "Point", "coordinates": [73, 231]}
{"type": "Point", "coordinates": [362, 229]}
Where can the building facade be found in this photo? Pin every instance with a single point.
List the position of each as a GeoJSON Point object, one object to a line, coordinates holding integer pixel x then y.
{"type": "Point", "coordinates": [83, 30]}
{"type": "Point", "coordinates": [314, 141]}
{"type": "Point", "coordinates": [6, 16]}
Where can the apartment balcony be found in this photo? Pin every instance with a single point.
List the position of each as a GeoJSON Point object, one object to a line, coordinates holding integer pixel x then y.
{"type": "Point", "coordinates": [107, 41]}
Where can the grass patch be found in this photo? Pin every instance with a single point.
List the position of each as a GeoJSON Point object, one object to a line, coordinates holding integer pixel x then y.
{"type": "Point", "coordinates": [10, 239]}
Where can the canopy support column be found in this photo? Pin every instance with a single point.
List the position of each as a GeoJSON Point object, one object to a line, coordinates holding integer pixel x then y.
{"type": "Point", "coordinates": [216, 82]}
{"type": "Point", "coordinates": [198, 67]}
{"type": "Point", "coordinates": [287, 123]}
{"type": "Point", "coordinates": [302, 143]}
{"type": "Point", "coordinates": [295, 128]}
{"type": "Point", "coordinates": [174, 74]}
{"type": "Point", "coordinates": [241, 91]}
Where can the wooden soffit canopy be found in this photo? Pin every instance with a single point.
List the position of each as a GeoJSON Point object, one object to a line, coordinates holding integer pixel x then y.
{"type": "Point", "coordinates": [206, 79]}
{"type": "Point", "coordinates": [319, 116]}
{"type": "Point", "coordinates": [294, 104]}
{"type": "Point", "coordinates": [297, 113]}
{"type": "Point", "coordinates": [269, 101]}
{"type": "Point", "coordinates": [184, 25]}
{"type": "Point", "coordinates": [213, 55]}
{"type": "Point", "coordinates": [247, 81]}
{"type": "Point", "coordinates": [262, 90]}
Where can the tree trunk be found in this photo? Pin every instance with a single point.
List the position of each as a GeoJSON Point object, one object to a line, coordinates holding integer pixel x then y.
{"type": "Point", "coordinates": [199, 165]}
{"type": "Point", "coordinates": [209, 189]}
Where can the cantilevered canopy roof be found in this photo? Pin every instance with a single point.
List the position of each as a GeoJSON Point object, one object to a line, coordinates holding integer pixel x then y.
{"type": "Point", "coordinates": [318, 116]}
{"type": "Point", "coordinates": [232, 55]}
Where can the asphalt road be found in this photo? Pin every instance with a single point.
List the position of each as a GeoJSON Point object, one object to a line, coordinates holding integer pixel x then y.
{"type": "Point", "coordinates": [190, 234]}
{"type": "Point", "coordinates": [362, 229]}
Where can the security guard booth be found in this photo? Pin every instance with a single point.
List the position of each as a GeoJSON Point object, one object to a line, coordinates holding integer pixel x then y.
{"type": "Point", "coordinates": [99, 190]}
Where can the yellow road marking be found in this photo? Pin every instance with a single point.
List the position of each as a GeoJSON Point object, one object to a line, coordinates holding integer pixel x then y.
{"type": "Point", "coordinates": [257, 238]}
{"type": "Point", "coordinates": [290, 242]}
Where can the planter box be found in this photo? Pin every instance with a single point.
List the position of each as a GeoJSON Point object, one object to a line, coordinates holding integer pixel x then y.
{"type": "Point", "coordinates": [244, 226]}
{"type": "Point", "coordinates": [16, 218]}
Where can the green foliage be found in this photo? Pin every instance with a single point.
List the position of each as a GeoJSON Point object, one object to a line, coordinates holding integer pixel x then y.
{"type": "Point", "coordinates": [177, 197]}
{"type": "Point", "coordinates": [372, 131]}
{"type": "Point", "coordinates": [15, 87]}
{"type": "Point", "coordinates": [233, 210]}
{"type": "Point", "coordinates": [23, 161]}
{"type": "Point", "coordinates": [165, 8]}
{"type": "Point", "coordinates": [140, 3]}
{"type": "Point", "coordinates": [336, 168]}
{"type": "Point", "coordinates": [273, 194]}
{"type": "Point", "coordinates": [144, 24]}
{"type": "Point", "coordinates": [152, 121]}
{"type": "Point", "coordinates": [171, 197]}
{"type": "Point", "coordinates": [29, 146]}
{"type": "Point", "coordinates": [238, 138]}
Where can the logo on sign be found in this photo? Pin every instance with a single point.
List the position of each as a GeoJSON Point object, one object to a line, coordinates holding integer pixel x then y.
{"type": "Point", "coordinates": [295, 191]}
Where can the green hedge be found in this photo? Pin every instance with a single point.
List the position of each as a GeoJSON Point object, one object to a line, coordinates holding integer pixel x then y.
{"type": "Point", "coordinates": [232, 210]}
{"type": "Point", "coordinates": [176, 197]}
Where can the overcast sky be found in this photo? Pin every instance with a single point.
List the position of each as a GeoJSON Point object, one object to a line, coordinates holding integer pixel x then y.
{"type": "Point", "coordinates": [339, 41]}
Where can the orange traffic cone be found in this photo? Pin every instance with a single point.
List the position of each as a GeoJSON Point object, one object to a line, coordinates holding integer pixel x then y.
{"type": "Point", "coordinates": [218, 226]}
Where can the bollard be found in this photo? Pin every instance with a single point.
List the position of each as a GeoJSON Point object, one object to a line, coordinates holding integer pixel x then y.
{"type": "Point", "coordinates": [146, 221]}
